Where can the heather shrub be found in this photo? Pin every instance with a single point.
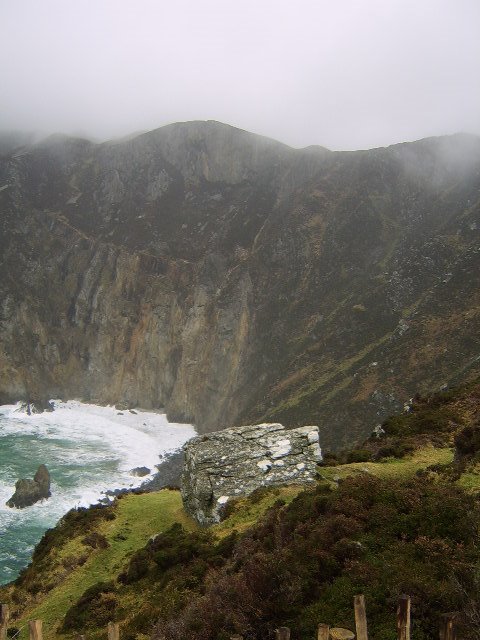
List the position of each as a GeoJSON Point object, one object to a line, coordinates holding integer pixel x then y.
{"type": "Point", "coordinates": [359, 455]}
{"type": "Point", "coordinates": [467, 442]}
{"type": "Point", "coordinates": [303, 562]}
{"type": "Point", "coordinates": [137, 567]}
{"type": "Point", "coordinates": [95, 540]}
{"type": "Point", "coordinates": [96, 607]}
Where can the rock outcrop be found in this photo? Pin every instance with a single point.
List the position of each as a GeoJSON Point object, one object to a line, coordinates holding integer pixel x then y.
{"type": "Point", "coordinates": [28, 492]}
{"type": "Point", "coordinates": [234, 462]}
{"type": "Point", "coordinates": [233, 280]}
{"type": "Point", "coordinates": [37, 406]}
{"type": "Point", "coordinates": [140, 472]}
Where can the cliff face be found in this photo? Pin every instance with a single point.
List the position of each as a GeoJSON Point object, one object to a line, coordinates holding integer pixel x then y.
{"type": "Point", "coordinates": [229, 278]}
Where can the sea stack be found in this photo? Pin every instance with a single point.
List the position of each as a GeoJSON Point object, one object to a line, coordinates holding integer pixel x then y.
{"type": "Point", "coordinates": [28, 492]}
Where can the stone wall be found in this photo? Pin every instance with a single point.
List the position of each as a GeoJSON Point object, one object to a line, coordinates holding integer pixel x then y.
{"type": "Point", "coordinates": [234, 462]}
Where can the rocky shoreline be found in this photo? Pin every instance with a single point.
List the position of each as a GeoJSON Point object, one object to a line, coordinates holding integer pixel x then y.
{"type": "Point", "coordinates": [168, 475]}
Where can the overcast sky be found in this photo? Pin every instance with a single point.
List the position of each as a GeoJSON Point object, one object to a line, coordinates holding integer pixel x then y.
{"type": "Point", "coordinates": [345, 74]}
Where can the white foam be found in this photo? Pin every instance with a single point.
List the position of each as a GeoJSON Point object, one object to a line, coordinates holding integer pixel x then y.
{"type": "Point", "coordinates": [78, 438]}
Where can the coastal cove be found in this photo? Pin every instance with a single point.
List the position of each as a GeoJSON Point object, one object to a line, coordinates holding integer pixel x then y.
{"type": "Point", "coordinates": [88, 450]}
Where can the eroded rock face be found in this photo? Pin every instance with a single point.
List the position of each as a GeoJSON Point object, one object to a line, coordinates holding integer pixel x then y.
{"type": "Point", "coordinates": [234, 462]}
{"type": "Point", "coordinates": [28, 492]}
{"type": "Point", "coordinates": [230, 279]}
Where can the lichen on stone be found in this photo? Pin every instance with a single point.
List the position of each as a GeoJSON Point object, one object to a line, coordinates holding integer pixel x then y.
{"type": "Point", "coordinates": [236, 462]}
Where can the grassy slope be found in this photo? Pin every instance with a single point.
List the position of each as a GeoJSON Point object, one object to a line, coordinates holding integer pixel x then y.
{"type": "Point", "coordinates": [247, 512]}
{"type": "Point", "coordinates": [141, 516]}
{"type": "Point", "coordinates": [393, 467]}
{"type": "Point", "coordinates": [138, 518]}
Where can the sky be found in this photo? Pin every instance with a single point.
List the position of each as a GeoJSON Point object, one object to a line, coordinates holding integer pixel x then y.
{"type": "Point", "coordinates": [345, 74]}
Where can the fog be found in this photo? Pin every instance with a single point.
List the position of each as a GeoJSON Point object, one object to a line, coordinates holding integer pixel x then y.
{"type": "Point", "coordinates": [346, 75]}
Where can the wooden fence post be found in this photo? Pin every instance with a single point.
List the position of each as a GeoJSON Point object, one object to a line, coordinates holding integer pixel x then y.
{"type": "Point", "coordinates": [113, 631]}
{"type": "Point", "coordinates": [448, 629]}
{"type": "Point", "coordinates": [403, 618]}
{"type": "Point", "coordinates": [323, 632]}
{"type": "Point", "coordinates": [282, 633]}
{"type": "Point", "coordinates": [360, 617]}
{"type": "Point", "coordinates": [35, 629]}
{"type": "Point", "coordinates": [4, 618]}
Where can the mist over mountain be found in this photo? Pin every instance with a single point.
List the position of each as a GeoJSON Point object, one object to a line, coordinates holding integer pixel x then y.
{"type": "Point", "coordinates": [230, 278]}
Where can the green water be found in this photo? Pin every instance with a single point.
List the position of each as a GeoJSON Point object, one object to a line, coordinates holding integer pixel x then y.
{"type": "Point", "coordinates": [87, 450]}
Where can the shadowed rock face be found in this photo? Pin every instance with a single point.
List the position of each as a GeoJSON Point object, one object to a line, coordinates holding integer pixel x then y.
{"type": "Point", "coordinates": [229, 278]}
{"type": "Point", "coordinates": [235, 462]}
{"type": "Point", "coordinates": [28, 492]}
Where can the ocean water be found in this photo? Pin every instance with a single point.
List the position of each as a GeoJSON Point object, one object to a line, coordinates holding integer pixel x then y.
{"type": "Point", "coordinates": [88, 449]}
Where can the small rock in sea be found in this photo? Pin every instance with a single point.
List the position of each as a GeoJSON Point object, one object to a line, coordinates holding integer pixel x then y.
{"type": "Point", "coordinates": [132, 411]}
{"type": "Point", "coordinates": [37, 406]}
{"type": "Point", "coordinates": [140, 471]}
{"type": "Point", "coordinates": [28, 492]}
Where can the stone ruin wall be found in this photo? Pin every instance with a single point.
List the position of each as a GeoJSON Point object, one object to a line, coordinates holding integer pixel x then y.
{"type": "Point", "coordinates": [231, 463]}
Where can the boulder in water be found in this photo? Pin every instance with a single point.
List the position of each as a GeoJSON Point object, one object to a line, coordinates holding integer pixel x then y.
{"type": "Point", "coordinates": [28, 492]}
{"type": "Point", "coordinates": [38, 405]}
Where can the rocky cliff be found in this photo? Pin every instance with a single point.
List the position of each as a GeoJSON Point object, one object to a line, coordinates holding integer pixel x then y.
{"type": "Point", "coordinates": [232, 463]}
{"type": "Point", "coordinates": [229, 278]}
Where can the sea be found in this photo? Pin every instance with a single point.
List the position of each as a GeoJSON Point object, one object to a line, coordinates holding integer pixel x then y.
{"type": "Point", "coordinates": [88, 450]}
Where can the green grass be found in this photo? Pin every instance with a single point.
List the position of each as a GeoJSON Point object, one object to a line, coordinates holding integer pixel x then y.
{"type": "Point", "coordinates": [247, 512]}
{"type": "Point", "coordinates": [391, 467]}
{"type": "Point", "coordinates": [470, 480]}
{"type": "Point", "coordinates": [138, 518]}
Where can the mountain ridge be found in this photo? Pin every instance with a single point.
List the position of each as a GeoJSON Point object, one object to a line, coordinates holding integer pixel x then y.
{"type": "Point", "coordinates": [34, 139]}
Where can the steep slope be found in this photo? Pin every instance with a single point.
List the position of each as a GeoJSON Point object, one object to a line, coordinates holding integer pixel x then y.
{"type": "Point", "coordinates": [230, 278]}
{"type": "Point", "coordinates": [282, 555]}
